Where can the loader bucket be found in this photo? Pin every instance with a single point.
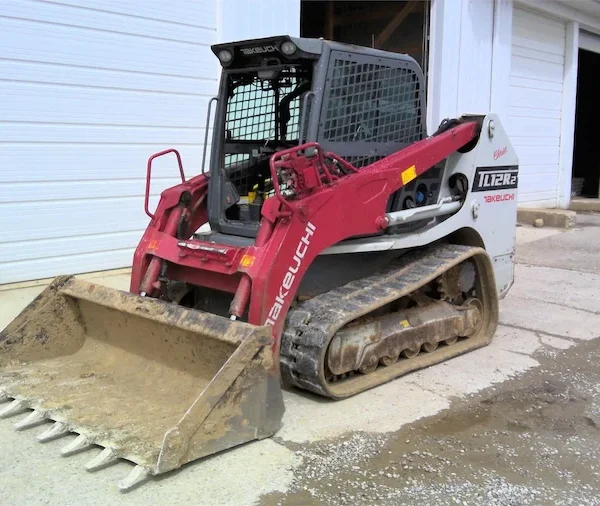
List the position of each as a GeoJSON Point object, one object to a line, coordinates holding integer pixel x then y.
{"type": "Point", "coordinates": [151, 382]}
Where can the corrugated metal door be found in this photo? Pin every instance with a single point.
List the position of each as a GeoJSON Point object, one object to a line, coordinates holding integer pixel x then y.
{"type": "Point", "coordinates": [88, 93]}
{"type": "Point", "coordinates": [535, 103]}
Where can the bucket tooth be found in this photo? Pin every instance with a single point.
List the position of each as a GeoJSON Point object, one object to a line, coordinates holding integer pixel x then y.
{"type": "Point", "coordinates": [4, 396]}
{"type": "Point", "coordinates": [135, 476]}
{"type": "Point", "coordinates": [77, 444]}
{"type": "Point", "coordinates": [13, 408]}
{"type": "Point", "coordinates": [105, 457]}
{"type": "Point", "coordinates": [30, 420]}
{"type": "Point", "coordinates": [58, 429]}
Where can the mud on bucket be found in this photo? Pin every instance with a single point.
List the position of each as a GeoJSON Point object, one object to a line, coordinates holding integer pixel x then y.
{"type": "Point", "coordinates": [151, 382]}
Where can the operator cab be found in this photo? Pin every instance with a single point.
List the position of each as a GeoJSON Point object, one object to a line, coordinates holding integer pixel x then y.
{"type": "Point", "coordinates": [279, 92]}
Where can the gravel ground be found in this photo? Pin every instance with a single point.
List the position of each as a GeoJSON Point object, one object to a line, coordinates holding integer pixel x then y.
{"type": "Point", "coordinates": [534, 440]}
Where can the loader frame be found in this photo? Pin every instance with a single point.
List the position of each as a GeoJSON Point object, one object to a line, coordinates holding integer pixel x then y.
{"type": "Point", "coordinates": [324, 211]}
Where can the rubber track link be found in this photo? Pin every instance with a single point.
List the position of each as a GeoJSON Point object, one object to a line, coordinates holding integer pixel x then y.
{"type": "Point", "coordinates": [312, 324]}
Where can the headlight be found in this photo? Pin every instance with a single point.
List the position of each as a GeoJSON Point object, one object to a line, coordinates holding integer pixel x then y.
{"type": "Point", "coordinates": [225, 56]}
{"type": "Point", "coordinates": [288, 48]}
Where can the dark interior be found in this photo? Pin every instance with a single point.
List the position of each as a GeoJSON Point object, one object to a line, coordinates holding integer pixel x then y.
{"type": "Point", "coordinates": [397, 26]}
{"type": "Point", "coordinates": [586, 152]}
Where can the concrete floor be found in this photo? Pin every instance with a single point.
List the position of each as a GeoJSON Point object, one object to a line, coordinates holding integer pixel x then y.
{"type": "Point", "coordinates": [323, 448]}
{"type": "Point", "coordinates": [580, 204]}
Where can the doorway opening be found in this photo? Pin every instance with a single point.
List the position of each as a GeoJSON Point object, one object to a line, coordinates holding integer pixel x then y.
{"type": "Point", "coordinates": [397, 26]}
{"type": "Point", "coordinates": [586, 148]}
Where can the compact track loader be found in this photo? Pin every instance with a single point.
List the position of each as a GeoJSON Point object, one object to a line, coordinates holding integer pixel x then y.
{"type": "Point", "coordinates": [332, 246]}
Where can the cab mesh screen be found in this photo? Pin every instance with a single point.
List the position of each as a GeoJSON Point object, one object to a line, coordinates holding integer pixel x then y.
{"type": "Point", "coordinates": [372, 103]}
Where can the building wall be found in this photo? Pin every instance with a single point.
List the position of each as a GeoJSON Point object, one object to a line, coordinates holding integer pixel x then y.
{"type": "Point", "coordinates": [536, 93]}
{"type": "Point", "coordinates": [460, 66]}
{"type": "Point", "coordinates": [250, 19]}
{"type": "Point", "coordinates": [91, 90]}
{"type": "Point", "coordinates": [475, 68]}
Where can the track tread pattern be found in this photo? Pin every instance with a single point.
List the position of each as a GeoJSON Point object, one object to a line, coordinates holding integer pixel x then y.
{"type": "Point", "coordinates": [312, 324]}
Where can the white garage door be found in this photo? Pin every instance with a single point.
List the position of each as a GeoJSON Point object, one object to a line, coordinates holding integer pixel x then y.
{"type": "Point", "coordinates": [88, 93]}
{"type": "Point", "coordinates": [535, 101]}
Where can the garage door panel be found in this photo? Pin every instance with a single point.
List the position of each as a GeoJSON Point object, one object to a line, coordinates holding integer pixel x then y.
{"type": "Point", "coordinates": [52, 133]}
{"type": "Point", "coordinates": [537, 26]}
{"type": "Point", "coordinates": [534, 54]}
{"type": "Point", "coordinates": [530, 112]}
{"type": "Point", "coordinates": [537, 182]}
{"type": "Point", "coordinates": [534, 83]}
{"type": "Point", "coordinates": [536, 155]}
{"type": "Point", "coordinates": [53, 190]}
{"type": "Point", "coordinates": [532, 68]}
{"type": "Point", "coordinates": [184, 13]}
{"type": "Point", "coordinates": [93, 162]}
{"type": "Point", "coordinates": [537, 199]}
{"type": "Point", "coordinates": [535, 103]}
{"type": "Point", "coordinates": [547, 48]}
{"type": "Point", "coordinates": [48, 220]}
{"type": "Point", "coordinates": [66, 45]}
{"type": "Point", "coordinates": [16, 271]}
{"type": "Point", "coordinates": [29, 72]}
{"type": "Point", "coordinates": [523, 126]}
{"type": "Point", "coordinates": [66, 104]}
{"type": "Point", "coordinates": [534, 141]}
{"type": "Point", "coordinates": [536, 169]}
{"type": "Point", "coordinates": [55, 248]}
{"type": "Point", "coordinates": [537, 34]}
{"type": "Point", "coordinates": [535, 98]}
{"type": "Point", "coordinates": [46, 12]}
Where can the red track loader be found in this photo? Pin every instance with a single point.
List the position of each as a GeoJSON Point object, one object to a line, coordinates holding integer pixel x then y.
{"type": "Point", "coordinates": [331, 246]}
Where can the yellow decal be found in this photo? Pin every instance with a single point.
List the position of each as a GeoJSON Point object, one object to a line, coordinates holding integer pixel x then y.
{"type": "Point", "coordinates": [153, 245]}
{"type": "Point", "coordinates": [409, 174]}
{"type": "Point", "coordinates": [404, 323]}
{"type": "Point", "coordinates": [247, 261]}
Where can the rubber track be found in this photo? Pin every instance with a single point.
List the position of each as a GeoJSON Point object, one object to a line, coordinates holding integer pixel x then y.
{"type": "Point", "coordinates": [312, 324]}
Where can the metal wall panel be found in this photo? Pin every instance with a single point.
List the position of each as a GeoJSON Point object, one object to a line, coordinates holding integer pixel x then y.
{"type": "Point", "coordinates": [89, 91]}
{"type": "Point", "coordinates": [535, 103]}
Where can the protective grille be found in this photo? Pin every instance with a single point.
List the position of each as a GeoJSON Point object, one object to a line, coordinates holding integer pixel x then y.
{"type": "Point", "coordinates": [237, 166]}
{"type": "Point", "coordinates": [362, 161]}
{"type": "Point", "coordinates": [253, 115]}
{"type": "Point", "coordinates": [372, 103]}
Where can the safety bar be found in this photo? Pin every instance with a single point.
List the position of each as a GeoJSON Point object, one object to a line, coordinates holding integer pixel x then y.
{"type": "Point", "coordinates": [149, 172]}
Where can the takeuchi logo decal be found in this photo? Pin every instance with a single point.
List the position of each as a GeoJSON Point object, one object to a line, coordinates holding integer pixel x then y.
{"type": "Point", "coordinates": [495, 178]}
{"type": "Point", "coordinates": [499, 198]}
{"type": "Point", "coordinates": [258, 50]}
{"type": "Point", "coordinates": [290, 275]}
